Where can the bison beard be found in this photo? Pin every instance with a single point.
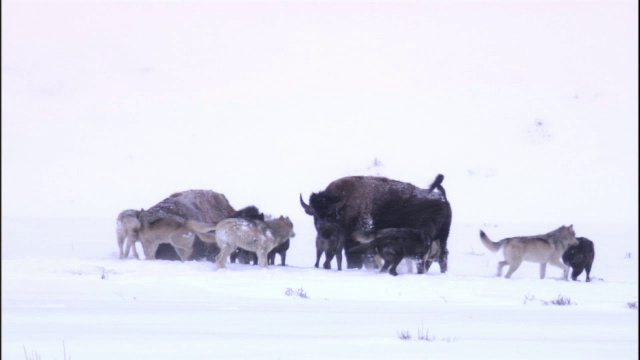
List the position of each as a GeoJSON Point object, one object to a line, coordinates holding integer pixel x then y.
{"type": "Point", "coordinates": [368, 203]}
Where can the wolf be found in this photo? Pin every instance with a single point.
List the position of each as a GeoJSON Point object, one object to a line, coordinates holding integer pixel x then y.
{"type": "Point", "coordinates": [330, 241]}
{"type": "Point", "coordinates": [543, 249]}
{"type": "Point", "coordinates": [395, 244]}
{"type": "Point", "coordinates": [128, 232]}
{"type": "Point", "coordinates": [156, 229]}
{"type": "Point", "coordinates": [249, 257]}
{"type": "Point", "coordinates": [580, 257]}
{"type": "Point", "coordinates": [254, 235]}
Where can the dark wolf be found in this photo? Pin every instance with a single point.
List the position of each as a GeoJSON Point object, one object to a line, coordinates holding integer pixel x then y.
{"type": "Point", "coordinates": [580, 257]}
{"type": "Point", "coordinates": [393, 245]}
{"type": "Point", "coordinates": [248, 257]}
{"type": "Point", "coordinates": [369, 203]}
{"type": "Point", "coordinates": [329, 241]}
{"type": "Point", "coordinates": [543, 249]}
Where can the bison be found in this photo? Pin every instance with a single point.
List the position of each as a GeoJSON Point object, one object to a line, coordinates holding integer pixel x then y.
{"type": "Point", "coordinates": [370, 203]}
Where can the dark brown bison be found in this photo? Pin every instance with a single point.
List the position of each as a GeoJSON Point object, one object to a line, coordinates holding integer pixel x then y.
{"type": "Point", "coordinates": [368, 203]}
{"type": "Point", "coordinates": [580, 257]}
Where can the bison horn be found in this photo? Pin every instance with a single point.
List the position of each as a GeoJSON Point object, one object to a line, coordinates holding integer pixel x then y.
{"type": "Point", "coordinates": [308, 209]}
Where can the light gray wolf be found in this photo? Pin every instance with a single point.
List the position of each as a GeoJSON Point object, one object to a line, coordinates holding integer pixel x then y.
{"type": "Point", "coordinates": [253, 235]}
{"type": "Point", "coordinates": [543, 249]}
{"type": "Point", "coordinates": [395, 244]}
{"type": "Point", "coordinates": [249, 257]}
{"type": "Point", "coordinates": [580, 257]}
{"type": "Point", "coordinates": [128, 232]}
{"type": "Point", "coordinates": [157, 228]}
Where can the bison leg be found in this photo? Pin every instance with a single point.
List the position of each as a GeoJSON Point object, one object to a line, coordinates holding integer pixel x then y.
{"type": "Point", "coordinates": [283, 256]}
{"type": "Point", "coordinates": [354, 260]}
{"type": "Point", "coordinates": [339, 259]}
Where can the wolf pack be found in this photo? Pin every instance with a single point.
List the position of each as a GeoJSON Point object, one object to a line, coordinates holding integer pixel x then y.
{"type": "Point", "coordinates": [375, 222]}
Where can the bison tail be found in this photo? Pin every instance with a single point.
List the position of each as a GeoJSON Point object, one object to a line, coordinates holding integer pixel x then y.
{"type": "Point", "coordinates": [364, 236]}
{"type": "Point", "coordinates": [492, 246]}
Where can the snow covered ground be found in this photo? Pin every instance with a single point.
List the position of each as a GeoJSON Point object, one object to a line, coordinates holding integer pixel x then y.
{"type": "Point", "coordinates": [529, 109]}
{"type": "Point", "coordinates": [70, 289]}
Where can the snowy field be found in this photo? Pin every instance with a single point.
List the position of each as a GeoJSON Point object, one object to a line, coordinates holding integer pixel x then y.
{"type": "Point", "coordinates": [75, 291]}
{"type": "Point", "coordinates": [528, 108]}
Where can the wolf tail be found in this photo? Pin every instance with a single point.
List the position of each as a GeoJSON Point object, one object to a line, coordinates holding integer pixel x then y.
{"type": "Point", "coordinates": [361, 248]}
{"type": "Point", "coordinates": [201, 227]}
{"type": "Point", "coordinates": [491, 245]}
{"type": "Point", "coordinates": [364, 236]}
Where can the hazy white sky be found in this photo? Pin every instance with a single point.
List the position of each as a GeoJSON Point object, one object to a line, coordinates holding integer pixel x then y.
{"type": "Point", "coordinates": [529, 108]}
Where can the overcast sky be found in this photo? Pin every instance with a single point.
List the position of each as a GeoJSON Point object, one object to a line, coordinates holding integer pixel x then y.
{"type": "Point", "coordinates": [529, 108]}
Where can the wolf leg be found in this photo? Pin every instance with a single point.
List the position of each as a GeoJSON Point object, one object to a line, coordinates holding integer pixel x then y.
{"type": "Point", "coordinates": [131, 244]}
{"type": "Point", "coordinates": [588, 269]}
{"type": "Point", "coordinates": [543, 270]}
{"type": "Point", "coordinates": [263, 261]}
{"type": "Point", "coordinates": [394, 265]}
{"type": "Point", "coordinates": [329, 254]}
{"type": "Point", "coordinates": [338, 259]}
{"type": "Point", "coordinates": [318, 255]}
{"type": "Point", "coordinates": [501, 264]}
{"type": "Point", "coordinates": [513, 266]}
{"type": "Point", "coordinates": [150, 250]}
{"type": "Point", "coordinates": [221, 258]}
{"type": "Point", "coordinates": [565, 268]}
{"type": "Point", "coordinates": [121, 240]}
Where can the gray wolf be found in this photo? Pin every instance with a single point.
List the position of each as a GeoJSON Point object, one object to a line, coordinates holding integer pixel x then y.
{"type": "Point", "coordinates": [543, 249]}
{"type": "Point", "coordinates": [394, 244]}
{"type": "Point", "coordinates": [580, 257]}
{"type": "Point", "coordinates": [369, 203]}
{"type": "Point", "coordinates": [203, 206]}
{"type": "Point", "coordinates": [254, 235]}
{"type": "Point", "coordinates": [249, 257]}
{"type": "Point", "coordinates": [127, 232]}
{"type": "Point", "coordinates": [156, 229]}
